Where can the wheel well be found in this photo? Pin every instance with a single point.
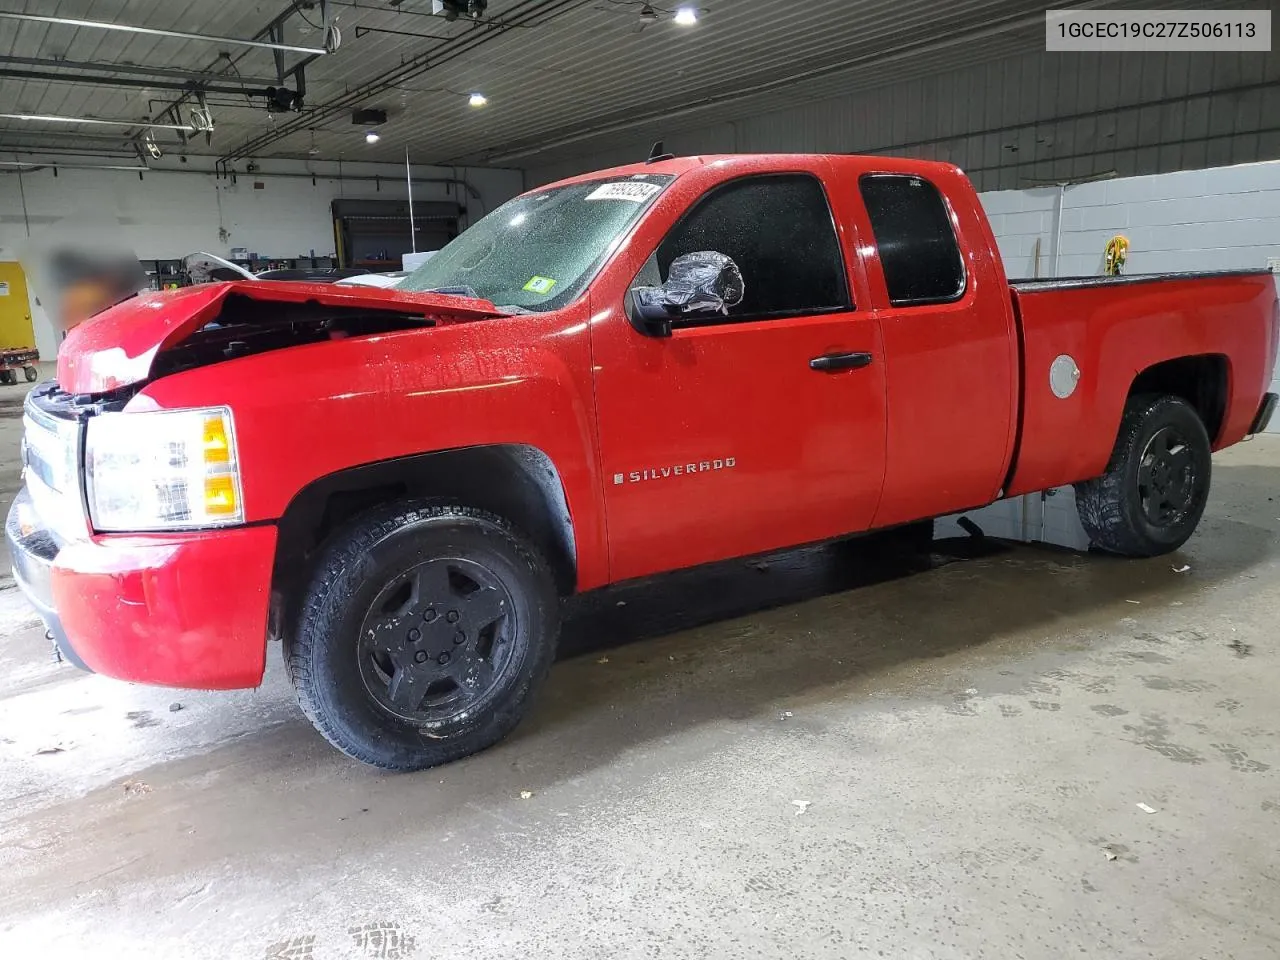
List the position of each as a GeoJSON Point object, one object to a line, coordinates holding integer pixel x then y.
{"type": "Point", "coordinates": [1199, 380]}
{"type": "Point", "coordinates": [514, 481]}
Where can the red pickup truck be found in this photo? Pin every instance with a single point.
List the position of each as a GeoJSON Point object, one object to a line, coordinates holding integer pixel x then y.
{"type": "Point", "coordinates": [625, 373]}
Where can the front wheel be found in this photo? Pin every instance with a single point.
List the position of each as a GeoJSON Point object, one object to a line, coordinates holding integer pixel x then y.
{"type": "Point", "coordinates": [8, 377]}
{"type": "Point", "coordinates": [31, 373]}
{"type": "Point", "coordinates": [423, 635]}
{"type": "Point", "coordinates": [1153, 494]}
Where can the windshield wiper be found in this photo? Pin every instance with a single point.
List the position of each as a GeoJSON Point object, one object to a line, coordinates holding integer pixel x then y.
{"type": "Point", "coordinates": [458, 291]}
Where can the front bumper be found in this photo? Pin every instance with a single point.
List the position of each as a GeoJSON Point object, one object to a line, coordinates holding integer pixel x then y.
{"type": "Point", "coordinates": [180, 610]}
{"type": "Point", "coordinates": [33, 550]}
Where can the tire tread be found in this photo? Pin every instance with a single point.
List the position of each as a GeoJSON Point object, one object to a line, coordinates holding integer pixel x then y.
{"type": "Point", "coordinates": [346, 549]}
{"type": "Point", "coordinates": [1104, 504]}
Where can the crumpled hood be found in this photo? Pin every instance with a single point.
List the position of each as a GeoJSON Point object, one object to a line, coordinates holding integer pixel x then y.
{"type": "Point", "coordinates": [116, 348]}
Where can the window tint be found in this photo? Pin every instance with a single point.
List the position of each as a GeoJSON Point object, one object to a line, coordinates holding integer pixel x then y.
{"type": "Point", "coordinates": [779, 231]}
{"type": "Point", "coordinates": [918, 250]}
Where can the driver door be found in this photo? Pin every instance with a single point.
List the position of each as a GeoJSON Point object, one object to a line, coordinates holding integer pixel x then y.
{"type": "Point", "coordinates": [726, 438]}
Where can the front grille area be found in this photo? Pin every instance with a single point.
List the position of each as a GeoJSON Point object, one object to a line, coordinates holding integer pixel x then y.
{"type": "Point", "coordinates": [50, 449]}
{"type": "Point", "coordinates": [53, 427]}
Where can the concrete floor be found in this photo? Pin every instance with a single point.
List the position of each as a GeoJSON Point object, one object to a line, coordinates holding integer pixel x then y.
{"type": "Point", "coordinates": [825, 757]}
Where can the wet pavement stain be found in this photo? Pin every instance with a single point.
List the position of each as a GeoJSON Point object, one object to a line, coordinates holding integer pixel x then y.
{"type": "Point", "coordinates": [1153, 733]}
{"type": "Point", "coordinates": [1144, 656]}
{"type": "Point", "coordinates": [1240, 648]}
{"type": "Point", "coordinates": [295, 948]}
{"type": "Point", "coordinates": [1171, 683]}
{"type": "Point", "coordinates": [383, 941]}
{"type": "Point", "coordinates": [1239, 760]}
{"type": "Point", "coordinates": [142, 719]}
{"type": "Point", "coordinates": [1108, 710]}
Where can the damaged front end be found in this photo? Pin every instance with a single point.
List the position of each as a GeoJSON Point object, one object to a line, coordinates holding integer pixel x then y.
{"type": "Point", "coordinates": [156, 334]}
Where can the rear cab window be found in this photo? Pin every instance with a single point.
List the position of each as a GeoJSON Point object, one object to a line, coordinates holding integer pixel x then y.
{"type": "Point", "coordinates": [919, 253]}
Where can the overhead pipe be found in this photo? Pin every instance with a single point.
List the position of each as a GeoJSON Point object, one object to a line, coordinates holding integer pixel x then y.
{"type": "Point", "coordinates": [93, 121]}
{"type": "Point", "coordinates": [225, 172]}
{"type": "Point", "coordinates": [193, 76]}
{"type": "Point", "coordinates": [141, 83]}
{"type": "Point", "coordinates": [154, 32]}
{"type": "Point", "coordinates": [32, 166]}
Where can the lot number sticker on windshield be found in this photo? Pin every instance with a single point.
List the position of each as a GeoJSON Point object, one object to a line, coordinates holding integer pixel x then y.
{"type": "Point", "coordinates": [624, 190]}
{"type": "Point", "coordinates": [539, 285]}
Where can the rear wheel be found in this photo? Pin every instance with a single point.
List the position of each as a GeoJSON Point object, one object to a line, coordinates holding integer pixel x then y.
{"type": "Point", "coordinates": [31, 373]}
{"type": "Point", "coordinates": [423, 635]}
{"type": "Point", "coordinates": [8, 377]}
{"type": "Point", "coordinates": [1153, 494]}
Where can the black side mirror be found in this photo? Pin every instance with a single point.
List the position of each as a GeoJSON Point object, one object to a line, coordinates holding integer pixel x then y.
{"type": "Point", "coordinates": [698, 284]}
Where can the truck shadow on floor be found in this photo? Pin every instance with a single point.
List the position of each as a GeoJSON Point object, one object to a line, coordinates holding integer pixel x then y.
{"type": "Point", "coordinates": [748, 635]}
{"type": "Point", "coordinates": [654, 607]}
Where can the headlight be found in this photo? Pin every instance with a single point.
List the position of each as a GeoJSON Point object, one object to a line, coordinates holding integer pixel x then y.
{"type": "Point", "coordinates": [163, 470]}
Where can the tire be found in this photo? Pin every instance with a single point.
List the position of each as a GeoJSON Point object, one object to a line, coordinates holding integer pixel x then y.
{"type": "Point", "coordinates": [1153, 494]}
{"type": "Point", "coordinates": [31, 373]}
{"type": "Point", "coordinates": [422, 697]}
{"type": "Point", "coordinates": [8, 377]}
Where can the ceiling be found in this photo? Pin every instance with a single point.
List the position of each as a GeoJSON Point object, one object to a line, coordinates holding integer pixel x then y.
{"type": "Point", "coordinates": [560, 75]}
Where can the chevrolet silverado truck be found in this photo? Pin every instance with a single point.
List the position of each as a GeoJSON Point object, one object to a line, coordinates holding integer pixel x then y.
{"type": "Point", "coordinates": [620, 374]}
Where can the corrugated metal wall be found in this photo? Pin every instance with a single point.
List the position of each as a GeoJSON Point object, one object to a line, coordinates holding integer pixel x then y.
{"type": "Point", "coordinates": [1013, 122]}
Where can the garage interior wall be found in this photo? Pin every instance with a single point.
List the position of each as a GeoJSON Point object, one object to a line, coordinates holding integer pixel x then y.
{"type": "Point", "coordinates": [168, 214]}
{"type": "Point", "coordinates": [1008, 123]}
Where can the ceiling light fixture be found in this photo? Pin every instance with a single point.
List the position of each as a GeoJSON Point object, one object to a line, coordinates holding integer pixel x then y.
{"type": "Point", "coordinates": [477, 99]}
{"type": "Point", "coordinates": [686, 16]}
{"type": "Point", "coordinates": [371, 137]}
{"type": "Point", "coordinates": [53, 118]}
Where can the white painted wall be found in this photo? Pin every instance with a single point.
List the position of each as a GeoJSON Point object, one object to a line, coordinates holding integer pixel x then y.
{"type": "Point", "coordinates": [170, 213]}
{"type": "Point", "coordinates": [1216, 219]}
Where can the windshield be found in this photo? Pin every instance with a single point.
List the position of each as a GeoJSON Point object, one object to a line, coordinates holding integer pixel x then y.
{"type": "Point", "coordinates": [539, 251]}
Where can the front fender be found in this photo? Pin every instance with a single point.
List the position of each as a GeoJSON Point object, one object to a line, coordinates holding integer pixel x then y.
{"type": "Point", "coordinates": [306, 412]}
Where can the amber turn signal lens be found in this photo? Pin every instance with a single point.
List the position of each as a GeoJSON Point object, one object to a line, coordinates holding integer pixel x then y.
{"type": "Point", "coordinates": [217, 448]}
{"type": "Point", "coordinates": [220, 495]}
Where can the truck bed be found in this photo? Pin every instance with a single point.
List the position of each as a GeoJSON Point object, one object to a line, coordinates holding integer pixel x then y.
{"type": "Point", "coordinates": [1114, 328]}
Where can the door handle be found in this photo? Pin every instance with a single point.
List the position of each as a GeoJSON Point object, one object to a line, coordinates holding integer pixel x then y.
{"type": "Point", "coordinates": [829, 362]}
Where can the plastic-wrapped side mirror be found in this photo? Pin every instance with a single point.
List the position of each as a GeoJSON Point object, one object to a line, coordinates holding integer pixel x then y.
{"type": "Point", "coordinates": [698, 284]}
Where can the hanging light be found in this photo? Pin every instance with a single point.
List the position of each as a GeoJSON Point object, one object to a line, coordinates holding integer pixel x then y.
{"type": "Point", "coordinates": [477, 99]}
{"type": "Point", "coordinates": [371, 137]}
{"type": "Point", "coordinates": [686, 16]}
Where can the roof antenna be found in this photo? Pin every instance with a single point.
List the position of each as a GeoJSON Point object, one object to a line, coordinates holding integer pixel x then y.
{"type": "Point", "coordinates": [658, 154]}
